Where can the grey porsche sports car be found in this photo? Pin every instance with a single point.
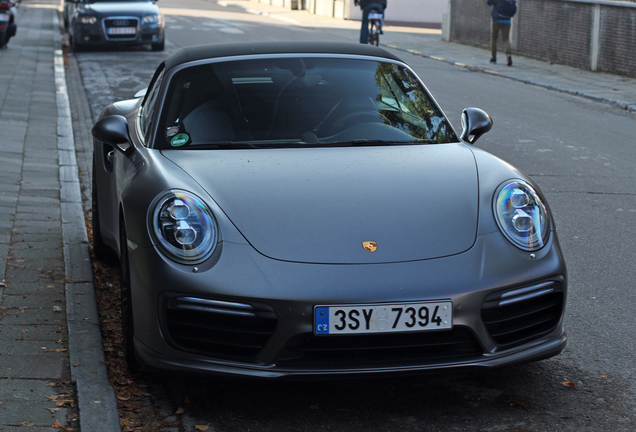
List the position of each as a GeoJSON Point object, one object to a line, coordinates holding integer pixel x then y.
{"type": "Point", "coordinates": [114, 23]}
{"type": "Point", "coordinates": [306, 209]}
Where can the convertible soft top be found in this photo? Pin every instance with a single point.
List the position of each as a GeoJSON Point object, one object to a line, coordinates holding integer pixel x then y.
{"type": "Point", "coordinates": [200, 52]}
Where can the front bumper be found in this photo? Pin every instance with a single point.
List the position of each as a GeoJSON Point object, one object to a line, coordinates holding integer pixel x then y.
{"type": "Point", "coordinates": [96, 35]}
{"type": "Point", "coordinates": [283, 296]}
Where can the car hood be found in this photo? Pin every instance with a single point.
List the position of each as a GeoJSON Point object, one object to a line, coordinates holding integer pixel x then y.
{"type": "Point", "coordinates": [319, 205]}
{"type": "Point", "coordinates": [133, 8]}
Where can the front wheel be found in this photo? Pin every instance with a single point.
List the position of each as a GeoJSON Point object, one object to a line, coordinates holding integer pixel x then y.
{"type": "Point", "coordinates": [159, 46]}
{"type": "Point", "coordinates": [127, 323]}
{"type": "Point", "coordinates": [3, 39]}
{"type": "Point", "coordinates": [76, 46]}
{"type": "Point", "coordinates": [101, 251]}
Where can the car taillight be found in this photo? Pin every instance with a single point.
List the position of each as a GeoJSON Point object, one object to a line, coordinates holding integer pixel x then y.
{"type": "Point", "coordinates": [5, 5]}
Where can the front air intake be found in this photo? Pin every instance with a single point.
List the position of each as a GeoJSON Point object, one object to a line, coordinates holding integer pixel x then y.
{"type": "Point", "coordinates": [520, 315]}
{"type": "Point", "coordinates": [217, 328]}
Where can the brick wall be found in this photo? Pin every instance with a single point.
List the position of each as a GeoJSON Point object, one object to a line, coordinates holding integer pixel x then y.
{"type": "Point", "coordinates": [556, 31]}
{"type": "Point", "coordinates": [560, 31]}
{"type": "Point", "coordinates": [617, 51]}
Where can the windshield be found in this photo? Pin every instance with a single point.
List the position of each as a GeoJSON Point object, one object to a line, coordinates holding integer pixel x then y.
{"type": "Point", "coordinates": [289, 102]}
{"type": "Point", "coordinates": [114, 1]}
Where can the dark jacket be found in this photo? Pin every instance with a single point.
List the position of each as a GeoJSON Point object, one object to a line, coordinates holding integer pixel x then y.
{"type": "Point", "coordinates": [495, 10]}
{"type": "Point", "coordinates": [363, 3]}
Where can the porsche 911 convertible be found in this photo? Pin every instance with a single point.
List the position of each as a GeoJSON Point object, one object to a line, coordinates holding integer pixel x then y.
{"type": "Point", "coordinates": [306, 209]}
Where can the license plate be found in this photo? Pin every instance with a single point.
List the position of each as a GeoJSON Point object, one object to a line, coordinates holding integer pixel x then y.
{"type": "Point", "coordinates": [384, 318]}
{"type": "Point", "coordinates": [122, 30]}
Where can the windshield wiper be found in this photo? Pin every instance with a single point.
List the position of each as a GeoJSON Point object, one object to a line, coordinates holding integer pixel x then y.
{"type": "Point", "coordinates": [369, 143]}
{"type": "Point", "coordinates": [222, 145]}
{"type": "Point", "coordinates": [359, 143]}
{"type": "Point", "coordinates": [372, 142]}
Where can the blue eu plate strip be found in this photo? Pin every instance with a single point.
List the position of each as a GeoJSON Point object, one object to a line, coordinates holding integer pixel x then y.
{"type": "Point", "coordinates": [322, 320]}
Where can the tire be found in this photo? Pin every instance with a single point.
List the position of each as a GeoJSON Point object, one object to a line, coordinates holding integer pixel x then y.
{"type": "Point", "coordinates": [3, 39]}
{"type": "Point", "coordinates": [101, 251]}
{"type": "Point", "coordinates": [374, 33]}
{"type": "Point", "coordinates": [127, 323]}
{"type": "Point", "coordinates": [160, 46]}
{"type": "Point", "coordinates": [77, 47]}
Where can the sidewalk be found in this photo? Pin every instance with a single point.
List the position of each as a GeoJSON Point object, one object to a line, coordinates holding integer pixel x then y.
{"type": "Point", "coordinates": [606, 88]}
{"type": "Point", "coordinates": [51, 371]}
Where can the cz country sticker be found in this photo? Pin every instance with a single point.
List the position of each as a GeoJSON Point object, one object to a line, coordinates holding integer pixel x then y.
{"type": "Point", "coordinates": [172, 131]}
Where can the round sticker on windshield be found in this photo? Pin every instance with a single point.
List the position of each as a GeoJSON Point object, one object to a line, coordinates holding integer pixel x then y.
{"type": "Point", "coordinates": [179, 140]}
{"type": "Point", "coordinates": [172, 131]}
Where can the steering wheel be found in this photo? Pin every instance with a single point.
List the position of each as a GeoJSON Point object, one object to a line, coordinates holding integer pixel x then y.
{"type": "Point", "coordinates": [355, 118]}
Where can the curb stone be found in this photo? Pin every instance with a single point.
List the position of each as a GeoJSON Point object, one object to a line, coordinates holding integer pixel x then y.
{"type": "Point", "coordinates": [96, 400]}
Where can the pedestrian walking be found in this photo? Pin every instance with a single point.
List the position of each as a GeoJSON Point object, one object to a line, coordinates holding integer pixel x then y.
{"type": "Point", "coordinates": [366, 6]}
{"type": "Point", "coordinates": [502, 13]}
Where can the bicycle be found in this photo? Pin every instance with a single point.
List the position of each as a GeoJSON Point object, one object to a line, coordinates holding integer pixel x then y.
{"type": "Point", "coordinates": [375, 27]}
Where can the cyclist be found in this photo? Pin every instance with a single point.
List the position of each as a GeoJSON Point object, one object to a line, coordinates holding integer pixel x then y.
{"type": "Point", "coordinates": [366, 6]}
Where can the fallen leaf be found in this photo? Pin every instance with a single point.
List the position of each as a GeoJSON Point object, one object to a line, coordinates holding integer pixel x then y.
{"type": "Point", "coordinates": [63, 402]}
{"type": "Point", "coordinates": [57, 425]}
{"type": "Point", "coordinates": [123, 398]}
{"type": "Point", "coordinates": [53, 410]}
{"type": "Point", "coordinates": [56, 350]}
{"type": "Point", "coordinates": [569, 384]}
{"type": "Point", "coordinates": [605, 377]}
{"type": "Point", "coordinates": [27, 424]}
{"type": "Point", "coordinates": [180, 411]}
{"type": "Point", "coordinates": [201, 427]}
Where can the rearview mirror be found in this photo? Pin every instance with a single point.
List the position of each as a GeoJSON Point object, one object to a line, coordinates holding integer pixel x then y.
{"type": "Point", "coordinates": [113, 130]}
{"type": "Point", "coordinates": [475, 123]}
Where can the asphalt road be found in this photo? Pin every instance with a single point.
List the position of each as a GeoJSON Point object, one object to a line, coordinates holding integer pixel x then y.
{"type": "Point", "coordinates": [582, 155]}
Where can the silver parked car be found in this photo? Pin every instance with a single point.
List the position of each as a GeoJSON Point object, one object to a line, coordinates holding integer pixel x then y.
{"type": "Point", "coordinates": [306, 209]}
{"type": "Point", "coordinates": [114, 23]}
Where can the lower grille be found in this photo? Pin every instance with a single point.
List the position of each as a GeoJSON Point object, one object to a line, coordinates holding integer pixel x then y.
{"type": "Point", "coordinates": [218, 329]}
{"type": "Point", "coordinates": [521, 315]}
{"type": "Point", "coordinates": [380, 350]}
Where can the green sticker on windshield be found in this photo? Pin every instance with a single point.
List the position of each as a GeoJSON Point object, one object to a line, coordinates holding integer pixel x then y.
{"type": "Point", "coordinates": [179, 140]}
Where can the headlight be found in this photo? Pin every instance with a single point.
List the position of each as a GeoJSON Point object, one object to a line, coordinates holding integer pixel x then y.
{"type": "Point", "coordinates": [521, 215]}
{"type": "Point", "coordinates": [87, 19]}
{"type": "Point", "coordinates": [184, 227]}
{"type": "Point", "coordinates": [151, 19]}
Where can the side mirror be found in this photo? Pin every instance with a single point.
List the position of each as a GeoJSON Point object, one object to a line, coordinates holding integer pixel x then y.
{"type": "Point", "coordinates": [475, 123]}
{"type": "Point", "coordinates": [141, 93]}
{"type": "Point", "coordinates": [113, 130]}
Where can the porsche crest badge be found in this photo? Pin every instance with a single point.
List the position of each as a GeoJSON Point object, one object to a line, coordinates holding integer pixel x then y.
{"type": "Point", "coordinates": [370, 246]}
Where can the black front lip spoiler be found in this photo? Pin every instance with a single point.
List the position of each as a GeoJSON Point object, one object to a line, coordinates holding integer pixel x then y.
{"type": "Point", "coordinates": [154, 360]}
